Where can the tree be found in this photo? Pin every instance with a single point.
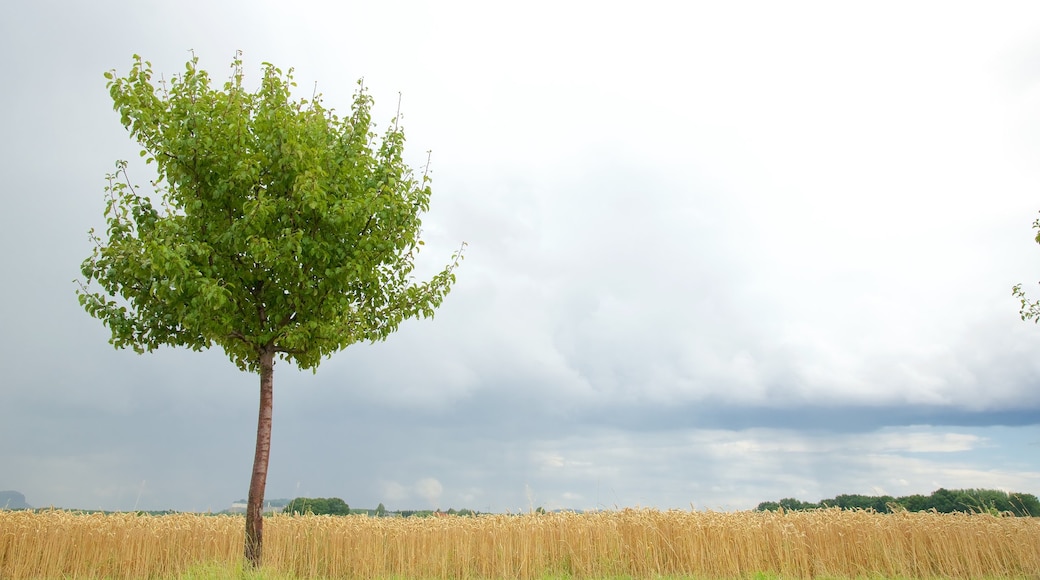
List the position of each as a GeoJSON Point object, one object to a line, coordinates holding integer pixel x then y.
{"type": "Point", "coordinates": [944, 501]}
{"type": "Point", "coordinates": [1024, 504]}
{"type": "Point", "coordinates": [915, 502]}
{"type": "Point", "coordinates": [380, 510]}
{"type": "Point", "coordinates": [332, 506]}
{"type": "Point", "coordinates": [863, 502]}
{"type": "Point", "coordinates": [280, 230]}
{"type": "Point", "coordinates": [941, 500]}
{"type": "Point", "coordinates": [768, 506]}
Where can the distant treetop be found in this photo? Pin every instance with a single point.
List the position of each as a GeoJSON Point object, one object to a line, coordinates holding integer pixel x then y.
{"type": "Point", "coordinates": [941, 500]}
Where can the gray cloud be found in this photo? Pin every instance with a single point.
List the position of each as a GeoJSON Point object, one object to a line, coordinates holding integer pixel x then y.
{"type": "Point", "coordinates": [712, 260]}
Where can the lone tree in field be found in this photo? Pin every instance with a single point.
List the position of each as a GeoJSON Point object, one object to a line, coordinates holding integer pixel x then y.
{"type": "Point", "coordinates": [277, 230]}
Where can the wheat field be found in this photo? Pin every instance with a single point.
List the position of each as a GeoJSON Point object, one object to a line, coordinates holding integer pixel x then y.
{"type": "Point", "coordinates": [618, 544]}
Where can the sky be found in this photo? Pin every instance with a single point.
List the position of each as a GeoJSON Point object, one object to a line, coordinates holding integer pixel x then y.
{"type": "Point", "coordinates": [717, 254]}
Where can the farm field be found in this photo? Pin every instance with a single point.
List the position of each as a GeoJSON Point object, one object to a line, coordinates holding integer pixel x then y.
{"type": "Point", "coordinates": [617, 544]}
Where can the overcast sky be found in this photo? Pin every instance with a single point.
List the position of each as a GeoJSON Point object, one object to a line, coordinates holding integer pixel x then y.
{"type": "Point", "coordinates": [718, 254]}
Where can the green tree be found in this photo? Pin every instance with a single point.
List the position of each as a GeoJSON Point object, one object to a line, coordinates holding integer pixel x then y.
{"type": "Point", "coordinates": [862, 502]}
{"type": "Point", "coordinates": [331, 506]}
{"type": "Point", "coordinates": [277, 230]}
{"type": "Point", "coordinates": [792, 504]}
{"type": "Point", "coordinates": [914, 503]}
{"type": "Point", "coordinates": [944, 501]}
{"type": "Point", "coordinates": [995, 501]}
{"type": "Point", "coordinates": [380, 510]}
{"type": "Point", "coordinates": [1024, 504]}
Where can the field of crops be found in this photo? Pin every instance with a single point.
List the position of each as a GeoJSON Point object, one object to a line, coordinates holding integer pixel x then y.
{"type": "Point", "coordinates": [629, 543]}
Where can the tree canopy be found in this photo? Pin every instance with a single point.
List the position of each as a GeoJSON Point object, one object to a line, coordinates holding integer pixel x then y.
{"type": "Point", "coordinates": [279, 225]}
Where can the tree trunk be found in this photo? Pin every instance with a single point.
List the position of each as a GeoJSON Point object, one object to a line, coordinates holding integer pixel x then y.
{"type": "Point", "coordinates": [258, 482]}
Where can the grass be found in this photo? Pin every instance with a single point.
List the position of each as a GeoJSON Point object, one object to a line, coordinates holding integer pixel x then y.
{"type": "Point", "coordinates": [624, 544]}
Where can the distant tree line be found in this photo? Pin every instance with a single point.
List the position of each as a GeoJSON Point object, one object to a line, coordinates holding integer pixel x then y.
{"type": "Point", "coordinates": [334, 506]}
{"type": "Point", "coordinates": [941, 500]}
{"type": "Point", "coordinates": [429, 513]}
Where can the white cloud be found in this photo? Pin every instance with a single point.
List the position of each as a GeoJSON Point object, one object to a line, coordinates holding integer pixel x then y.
{"type": "Point", "coordinates": [429, 489]}
{"type": "Point", "coordinates": [393, 491]}
{"type": "Point", "coordinates": [922, 442]}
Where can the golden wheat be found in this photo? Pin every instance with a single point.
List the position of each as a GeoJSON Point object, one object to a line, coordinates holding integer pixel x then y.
{"type": "Point", "coordinates": [632, 543]}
